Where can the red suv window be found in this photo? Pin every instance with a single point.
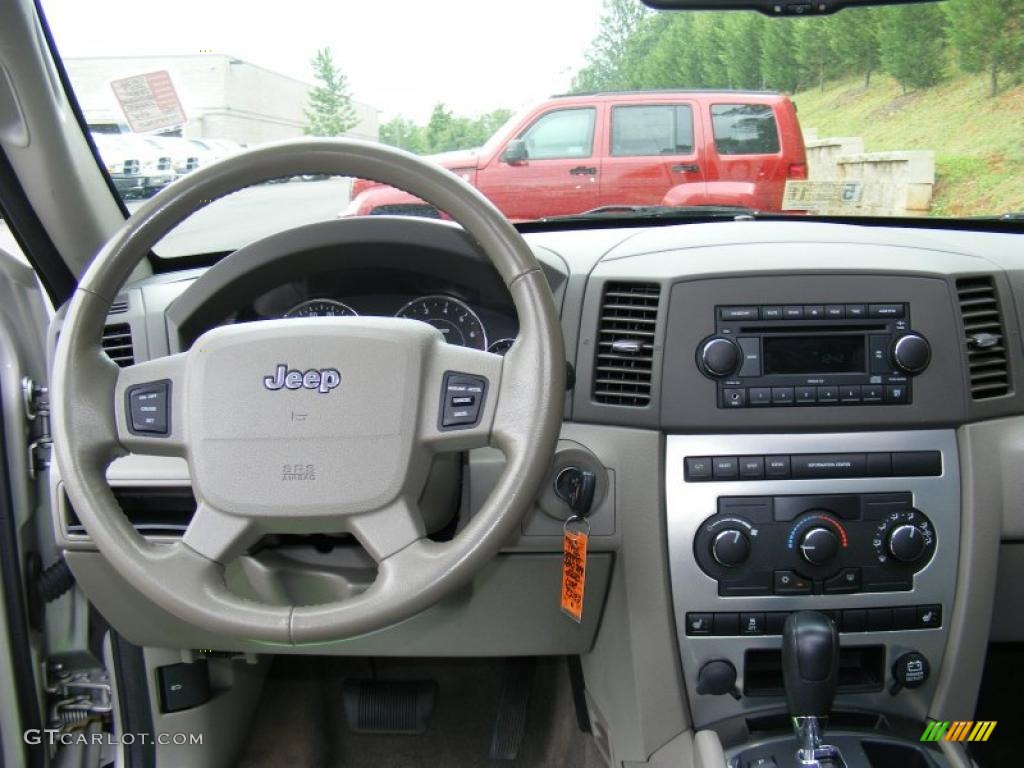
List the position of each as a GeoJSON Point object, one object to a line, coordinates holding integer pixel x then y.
{"type": "Point", "coordinates": [564, 133]}
{"type": "Point", "coordinates": [745, 129]}
{"type": "Point", "coordinates": [657, 129]}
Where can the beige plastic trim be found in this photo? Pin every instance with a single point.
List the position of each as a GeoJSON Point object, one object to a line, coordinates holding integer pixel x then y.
{"type": "Point", "coordinates": [527, 406]}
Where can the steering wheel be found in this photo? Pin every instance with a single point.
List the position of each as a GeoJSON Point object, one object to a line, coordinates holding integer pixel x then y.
{"type": "Point", "coordinates": [379, 398]}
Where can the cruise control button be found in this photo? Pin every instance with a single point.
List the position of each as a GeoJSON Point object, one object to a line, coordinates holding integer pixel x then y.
{"type": "Point", "coordinates": [148, 408]}
{"type": "Point", "coordinates": [458, 389]}
{"type": "Point", "coordinates": [791, 583]}
{"type": "Point", "coordinates": [725, 467]}
{"type": "Point", "coordinates": [697, 468]}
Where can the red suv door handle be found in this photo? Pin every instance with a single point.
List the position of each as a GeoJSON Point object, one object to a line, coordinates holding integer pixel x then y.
{"type": "Point", "coordinates": [583, 170]}
{"type": "Point", "coordinates": [685, 168]}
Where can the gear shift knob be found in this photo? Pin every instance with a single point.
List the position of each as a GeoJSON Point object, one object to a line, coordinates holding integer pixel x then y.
{"type": "Point", "coordinates": [810, 663]}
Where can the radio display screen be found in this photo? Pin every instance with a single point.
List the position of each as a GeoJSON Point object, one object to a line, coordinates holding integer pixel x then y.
{"type": "Point", "coordinates": [814, 354]}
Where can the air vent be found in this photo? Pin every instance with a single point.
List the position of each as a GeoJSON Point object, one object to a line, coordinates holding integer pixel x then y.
{"type": "Point", "coordinates": [117, 343]}
{"type": "Point", "coordinates": [120, 305]}
{"type": "Point", "coordinates": [986, 341]}
{"type": "Point", "coordinates": [625, 344]}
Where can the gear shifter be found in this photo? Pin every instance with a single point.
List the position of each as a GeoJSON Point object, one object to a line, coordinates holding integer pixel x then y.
{"type": "Point", "coordinates": [810, 668]}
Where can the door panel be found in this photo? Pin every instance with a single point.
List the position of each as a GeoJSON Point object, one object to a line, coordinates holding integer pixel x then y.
{"type": "Point", "coordinates": [560, 175]}
{"type": "Point", "coordinates": [651, 149]}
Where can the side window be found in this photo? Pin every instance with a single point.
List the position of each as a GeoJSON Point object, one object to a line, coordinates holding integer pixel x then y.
{"type": "Point", "coordinates": [564, 133]}
{"type": "Point", "coordinates": [745, 129]}
{"type": "Point", "coordinates": [652, 130]}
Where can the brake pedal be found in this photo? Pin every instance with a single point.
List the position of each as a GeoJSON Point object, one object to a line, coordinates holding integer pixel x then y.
{"type": "Point", "coordinates": [510, 723]}
{"type": "Point", "coordinates": [389, 706]}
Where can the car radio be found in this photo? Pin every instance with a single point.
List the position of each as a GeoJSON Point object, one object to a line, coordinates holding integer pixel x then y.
{"type": "Point", "coordinates": [813, 354]}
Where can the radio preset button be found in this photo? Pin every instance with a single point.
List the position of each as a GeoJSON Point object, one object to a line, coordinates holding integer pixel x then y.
{"type": "Point", "coordinates": [828, 394]}
{"type": "Point", "coordinates": [806, 395]}
{"type": "Point", "coordinates": [850, 394]}
{"type": "Point", "coordinates": [760, 396]}
{"type": "Point", "coordinates": [871, 393]}
{"type": "Point", "coordinates": [782, 395]}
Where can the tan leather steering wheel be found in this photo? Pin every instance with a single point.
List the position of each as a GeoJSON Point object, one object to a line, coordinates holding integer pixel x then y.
{"type": "Point", "coordinates": [375, 390]}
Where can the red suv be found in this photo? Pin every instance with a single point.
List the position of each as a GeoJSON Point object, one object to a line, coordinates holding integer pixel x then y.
{"type": "Point", "coordinates": [571, 154]}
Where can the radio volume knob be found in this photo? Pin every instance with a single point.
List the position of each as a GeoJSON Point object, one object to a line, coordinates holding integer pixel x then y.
{"type": "Point", "coordinates": [720, 357]}
{"type": "Point", "coordinates": [730, 547]}
{"type": "Point", "coordinates": [911, 353]}
{"type": "Point", "coordinates": [906, 543]}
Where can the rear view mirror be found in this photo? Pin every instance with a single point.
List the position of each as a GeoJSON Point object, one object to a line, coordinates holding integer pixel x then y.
{"type": "Point", "coordinates": [771, 7]}
{"type": "Point", "coordinates": [515, 153]}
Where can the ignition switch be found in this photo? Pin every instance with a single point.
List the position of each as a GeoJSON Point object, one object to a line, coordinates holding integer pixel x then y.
{"type": "Point", "coordinates": [576, 488]}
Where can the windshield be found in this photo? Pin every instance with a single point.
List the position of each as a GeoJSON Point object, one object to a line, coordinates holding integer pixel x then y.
{"type": "Point", "coordinates": [560, 108]}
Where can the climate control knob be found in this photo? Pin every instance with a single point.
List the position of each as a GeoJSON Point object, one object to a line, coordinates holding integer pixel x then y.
{"type": "Point", "coordinates": [819, 545]}
{"type": "Point", "coordinates": [911, 353]}
{"type": "Point", "coordinates": [720, 357]}
{"type": "Point", "coordinates": [906, 543]}
{"type": "Point", "coordinates": [730, 547]}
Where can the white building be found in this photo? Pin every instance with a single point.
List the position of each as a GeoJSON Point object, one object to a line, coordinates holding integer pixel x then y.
{"type": "Point", "coordinates": [223, 97]}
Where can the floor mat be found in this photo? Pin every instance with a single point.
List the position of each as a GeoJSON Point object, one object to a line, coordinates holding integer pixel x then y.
{"type": "Point", "coordinates": [301, 718]}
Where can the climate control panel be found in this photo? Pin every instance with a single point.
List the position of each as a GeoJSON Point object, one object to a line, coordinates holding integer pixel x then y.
{"type": "Point", "coordinates": [814, 544]}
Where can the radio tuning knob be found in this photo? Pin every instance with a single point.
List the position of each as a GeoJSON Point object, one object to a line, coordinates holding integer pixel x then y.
{"type": "Point", "coordinates": [906, 543]}
{"type": "Point", "coordinates": [911, 353]}
{"type": "Point", "coordinates": [720, 357]}
{"type": "Point", "coordinates": [730, 547]}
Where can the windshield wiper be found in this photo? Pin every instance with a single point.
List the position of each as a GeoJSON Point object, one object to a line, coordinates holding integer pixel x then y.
{"type": "Point", "coordinates": [658, 212]}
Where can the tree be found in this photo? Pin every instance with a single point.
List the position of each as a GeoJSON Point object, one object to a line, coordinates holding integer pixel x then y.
{"type": "Point", "coordinates": [743, 42]}
{"type": "Point", "coordinates": [779, 64]}
{"type": "Point", "coordinates": [604, 70]}
{"type": "Point", "coordinates": [403, 133]}
{"type": "Point", "coordinates": [854, 41]}
{"type": "Point", "coordinates": [330, 111]}
{"type": "Point", "coordinates": [988, 36]}
{"type": "Point", "coordinates": [913, 41]}
{"type": "Point", "coordinates": [813, 49]}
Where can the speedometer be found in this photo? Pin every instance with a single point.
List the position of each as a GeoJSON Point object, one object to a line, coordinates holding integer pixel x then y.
{"type": "Point", "coordinates": [320, 308]}
{"type": "Point", "coordinates": [459, 324]}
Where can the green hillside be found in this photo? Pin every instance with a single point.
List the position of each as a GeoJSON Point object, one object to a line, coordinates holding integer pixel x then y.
{"type": "Point", "coordinates": [978, 141]}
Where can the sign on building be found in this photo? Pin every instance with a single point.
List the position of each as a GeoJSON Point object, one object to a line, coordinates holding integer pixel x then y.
{"type": "Point", "coordinates": [149, 101]}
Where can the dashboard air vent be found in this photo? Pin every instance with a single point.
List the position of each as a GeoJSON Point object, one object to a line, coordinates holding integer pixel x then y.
{"type": "Point", "coordinates": [117, 343]}
{"type": "Point", "coordinates": [625, 344]}
{"type": "Point", "coordinates": [119, 305]}
{"type": "Point", "coordinates": [986, 341]}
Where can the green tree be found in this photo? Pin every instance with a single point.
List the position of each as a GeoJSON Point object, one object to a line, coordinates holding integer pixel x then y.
{"type": "Point", "coordinates": [604, 69]}
{"type": "Point", "coordinates": [913, 41]}
{"type": "Point", "coordinates": [743, 33]}
{"type": "Point", "coordinates": [813, 48]}
{"type": "Point", "coordinates": [403, 133]}
{"type": "Point", "coordinates": [330, 111]}
{"type": "Point", "coordinates": [988, 36]}
{"type": "Point", "coordinates": [779, 63]}
{"type": "Point", "coordinates": [854, 41]}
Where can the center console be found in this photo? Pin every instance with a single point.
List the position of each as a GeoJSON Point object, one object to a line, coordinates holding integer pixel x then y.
{"type": "Point", "coordinates": [863, 527]}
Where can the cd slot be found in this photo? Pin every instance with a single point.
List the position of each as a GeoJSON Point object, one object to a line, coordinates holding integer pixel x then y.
{"type": "Point", "coordinates": [795, 329]}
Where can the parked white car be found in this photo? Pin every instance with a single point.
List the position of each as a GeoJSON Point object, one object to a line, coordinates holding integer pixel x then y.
{"type": "Point", "coordinates": [137, 168]}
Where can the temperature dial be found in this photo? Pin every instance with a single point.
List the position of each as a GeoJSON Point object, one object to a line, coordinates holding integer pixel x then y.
{"type": "Point", "coordinates": [904, 538]}
{"type": "Point", "coordinates": [819, 546]}
{"type": "Point", "coordinates": [730, 547]}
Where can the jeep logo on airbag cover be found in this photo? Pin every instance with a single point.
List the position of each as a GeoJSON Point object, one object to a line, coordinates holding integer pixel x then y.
{"type": "Point", "coordinates": [322, 380]}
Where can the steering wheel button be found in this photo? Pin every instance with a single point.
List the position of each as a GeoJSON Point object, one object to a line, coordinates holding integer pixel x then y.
{"type": "Point", "coordinates": [148, 406]}
{"type": "Point", "coordinates": [463, 400]}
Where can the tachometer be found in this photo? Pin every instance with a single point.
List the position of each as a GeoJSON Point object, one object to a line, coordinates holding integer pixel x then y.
{"type": "Point", "coordinates": [459, 324]}
{"type": "Point", "coordinates": [320, 308]}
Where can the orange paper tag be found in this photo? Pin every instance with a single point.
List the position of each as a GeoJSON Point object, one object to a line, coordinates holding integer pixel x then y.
{"type": "Point", "coordinates": [574, 573]}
